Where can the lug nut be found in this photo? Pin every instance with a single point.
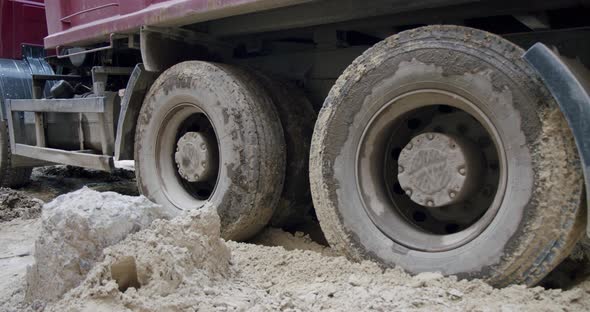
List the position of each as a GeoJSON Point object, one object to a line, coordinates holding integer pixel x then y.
{"type": "Point", "coordinates": [430, 203]}
{"type": "Point", "coordinates": [400, 169]}
{"type": "Point", "coordinates": [452, 194]}
{"type": "Point", "coordinates": [409, 146]}
{"type": "Point", "coordinates": [430, 136]}
{"type": "Point", "coordinates": [409, 192]}
{"type": "Point", "coordinates": [462, 171]}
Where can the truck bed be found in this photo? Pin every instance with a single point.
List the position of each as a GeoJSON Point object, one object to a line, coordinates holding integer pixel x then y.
{"type": "Point", "coordinates": [79, 22]}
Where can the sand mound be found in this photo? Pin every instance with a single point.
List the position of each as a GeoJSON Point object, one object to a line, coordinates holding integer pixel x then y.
{"type": "Point", "coordinates": [183, 265]}
{"type": "Point", "coordinates": [76, 227]}
{"type": "Point", "coordinates": [146, 271]}
{"type": "Point", "coordinates": [15, 204]}
{"type": "Point", "coordinates": [297, 241]}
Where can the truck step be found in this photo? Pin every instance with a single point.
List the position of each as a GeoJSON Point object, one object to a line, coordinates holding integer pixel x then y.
{"type": "Point", "coordinates": [73, 158]}
{"type": "Point", "coordinates": [75, 105]}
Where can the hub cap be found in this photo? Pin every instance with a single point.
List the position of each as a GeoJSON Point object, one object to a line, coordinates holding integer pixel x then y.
{"type": "Point", "coordinates": [436, 169]}
{"type": "Point", "coordinates": [193, 157]}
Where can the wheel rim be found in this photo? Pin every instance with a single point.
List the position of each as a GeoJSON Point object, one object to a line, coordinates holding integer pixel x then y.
{"type": "Point", "coordinates": [425, 219]}
{"type": "Point", "coordinates": [187, 156]}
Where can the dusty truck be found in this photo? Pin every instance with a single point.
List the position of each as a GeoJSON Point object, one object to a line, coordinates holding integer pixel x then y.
{"type": "Point", "coordinates": [421, 131]}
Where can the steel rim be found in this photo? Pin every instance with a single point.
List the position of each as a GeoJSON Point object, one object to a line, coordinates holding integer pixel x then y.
{"type": "Point", "coordinates": [391, 210]}
{"type": "Point", "coordinates": [178, 121]}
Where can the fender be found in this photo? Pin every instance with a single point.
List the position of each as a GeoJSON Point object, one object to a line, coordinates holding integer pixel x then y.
{"type": "Point", "coordinates": [569, 83]}
{"type": "Point", "coordinates": [138, 85]}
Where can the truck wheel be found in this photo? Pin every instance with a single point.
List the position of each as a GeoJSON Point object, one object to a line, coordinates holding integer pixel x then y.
{"type": "Point", "coordinates": [298, 119]}
{"type": "Point", "coordinates": [439, 150]}
{"type": "Point", "coordinates": [10, 177]}
{"type": "Point", "coordinates": [209, 132]}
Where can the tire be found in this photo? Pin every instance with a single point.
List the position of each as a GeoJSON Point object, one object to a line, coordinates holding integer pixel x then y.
{"type": "Point", "coordinates": [297, 119]}
{"type": "Point", "coordinates": [10, 177]}
{"type": "Point", "coordinates": [535, 217]}
{"type": "Point", "coordinates": [245, 147]}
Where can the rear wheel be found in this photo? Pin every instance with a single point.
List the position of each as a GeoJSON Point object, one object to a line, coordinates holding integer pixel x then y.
{"type": "Point", "coordinates": [209, 132]}
{"type": "Point", "coordinates": [297, 119]}
{"type": "Point", "coordinates": [438, 153]}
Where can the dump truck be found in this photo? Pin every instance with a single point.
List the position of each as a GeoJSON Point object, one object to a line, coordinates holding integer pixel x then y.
{"type": "Point", "coordinates": [432, 135]}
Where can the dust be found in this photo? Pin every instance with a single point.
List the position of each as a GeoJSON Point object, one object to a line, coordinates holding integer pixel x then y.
{"type": "Point", "coordinates": [16, 204]}
{"type": "Point", "coordinates": [290, 241]}
{"type": "Point", "coordinates": [149, 270]}
{"type": "Point", "coordinates": [183, 265]}
{"type": "Point", "coordinates": [17, 238]}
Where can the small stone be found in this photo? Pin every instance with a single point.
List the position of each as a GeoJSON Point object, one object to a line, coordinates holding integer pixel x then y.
{"type": "Point", "coordinates": [422, 279]}
{"type": "Point", "coordinates": [455, 294]}
{"type": "Point", "coordinates": [354, 280]}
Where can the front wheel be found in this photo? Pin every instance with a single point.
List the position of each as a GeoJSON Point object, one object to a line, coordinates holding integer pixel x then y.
{"type": "Point", "coordinates": [209, 132]}
{"type": "Point", "coordinates": [437, 153]}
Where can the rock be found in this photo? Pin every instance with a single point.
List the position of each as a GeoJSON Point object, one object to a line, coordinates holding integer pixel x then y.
{"type": "Point", "coordinates": [76, 227]}
{"type": "Point", "coordinates": [454, 294]}
{"type": "Point", "coordinates": [162, 261]}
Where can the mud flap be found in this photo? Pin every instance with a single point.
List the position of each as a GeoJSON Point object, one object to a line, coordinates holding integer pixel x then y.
{"type": "Point", "coordinates": [569, 83]}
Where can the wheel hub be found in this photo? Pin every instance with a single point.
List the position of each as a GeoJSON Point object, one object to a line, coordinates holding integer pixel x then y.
{"type": "Point", "coordinates": [194, 156]}
{"type": "Point", "coordinates": [436, 169]}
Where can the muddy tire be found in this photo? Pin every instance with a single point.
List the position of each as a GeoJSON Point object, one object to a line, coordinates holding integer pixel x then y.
{"type": "Point", "coordinates": [297, 119]}
{"type": "Point", "coordinates": [10, 177]}
{"type": "Point", "coordinates": [209, 132]}
{"type": "Point", "coordinates": [525, 214]}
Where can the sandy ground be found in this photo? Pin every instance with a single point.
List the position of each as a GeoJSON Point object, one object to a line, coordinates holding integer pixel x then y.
{"type": "Point", "coordinates": [275, 271]}
{"type": "Point", "coordinates": [17, 238]}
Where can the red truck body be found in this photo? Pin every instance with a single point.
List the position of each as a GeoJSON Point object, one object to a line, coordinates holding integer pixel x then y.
{"type": "Point", "coordinates": [82, 21]}
{"type": "Point", "coordinates": [22, 22]}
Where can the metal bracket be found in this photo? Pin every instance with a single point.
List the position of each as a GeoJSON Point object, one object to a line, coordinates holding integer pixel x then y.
{"type": "Point", "coordinates": [100, 75]}
{"type": "Point", "coordinates": [164, 47]}
{"type": "Point", "coordinates": [110, 46]}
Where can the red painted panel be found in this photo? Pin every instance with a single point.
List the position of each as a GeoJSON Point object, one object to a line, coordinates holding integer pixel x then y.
{"type": "Point", "coordinates": [21, 22]}
{"type": "Point", "coordinates": [91, 21]}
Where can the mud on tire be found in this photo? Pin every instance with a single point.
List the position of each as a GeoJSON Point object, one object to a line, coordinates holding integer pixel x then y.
{"type": "Point", "coordinates": [242, 134]}
{"type": "Point", "coordinates": [539, 217]}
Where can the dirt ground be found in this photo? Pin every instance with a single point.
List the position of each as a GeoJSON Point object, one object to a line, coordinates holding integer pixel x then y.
{"type": "Point", "coordinates": [275, 271]}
